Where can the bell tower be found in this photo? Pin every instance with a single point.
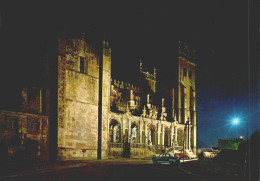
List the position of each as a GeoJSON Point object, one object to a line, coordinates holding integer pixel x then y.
{"type": "Point", "coordinates": [186, 94]}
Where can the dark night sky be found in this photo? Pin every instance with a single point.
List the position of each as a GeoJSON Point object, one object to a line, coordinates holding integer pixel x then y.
{"type": "Point", "coordinates": [217, 29]}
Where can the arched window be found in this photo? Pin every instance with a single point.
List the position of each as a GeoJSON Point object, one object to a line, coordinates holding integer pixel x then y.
{"type": "Point", "coordinates": [134, 133]}
{"type": "Point", "coordinates": [117, 134]}
{"type": "Point", "coordinates": [151, 136]}
{"type": "Point", "coordinates": [115, 131]}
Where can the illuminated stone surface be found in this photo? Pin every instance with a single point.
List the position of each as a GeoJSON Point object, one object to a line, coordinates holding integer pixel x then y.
{"type": "Point", "coordinates": [133, 123]}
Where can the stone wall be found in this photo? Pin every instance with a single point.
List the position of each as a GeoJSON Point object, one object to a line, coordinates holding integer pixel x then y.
{"type": "Point", "coordinates": [78, 98]}
{"type": "Point", "coordinates": [24, 136]}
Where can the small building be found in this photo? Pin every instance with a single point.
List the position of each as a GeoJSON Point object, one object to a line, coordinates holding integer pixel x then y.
{"type": "Point", "coordinates": [230, 143]}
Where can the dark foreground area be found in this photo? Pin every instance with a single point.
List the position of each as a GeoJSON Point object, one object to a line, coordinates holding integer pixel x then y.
{"type": "Point", "coordinates": [120, 169]}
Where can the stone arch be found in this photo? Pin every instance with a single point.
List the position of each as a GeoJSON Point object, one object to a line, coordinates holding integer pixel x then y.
{"type": "Point", "coordinates": [114, 131]}
{"type": "Point", "coordinates": [167, 137]}
{"type": "Point", "coordinates": [134, 132]}
{"type": "Point", "coordinates": [151, 134]}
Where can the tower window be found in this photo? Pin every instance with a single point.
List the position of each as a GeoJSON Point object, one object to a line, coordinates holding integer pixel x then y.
{"type": "Point", "coordinates": [184, 72]}
{"type": "Point", "coordinates": [190, 74]}
{"type": "Point", "coordinates": [33, 125]}
{"type": "Point", "coordinates": [11, 123]}
{"type": "Point", "coordinates": [81, 68]}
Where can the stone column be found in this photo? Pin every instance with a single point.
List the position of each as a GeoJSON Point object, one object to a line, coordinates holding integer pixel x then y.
{"type": "Point", "coordinates": [186, 137]}
{"type": "Point", "coordinates": [172, 127]}
{"type": "Point", "coordinates": [184, 108]}
{"type": "Point", "coordinates": [159, 133]}
{"type": "Point", "coordinates": [194, 136]}
{"type": "Point", "coordinates": [179, 105]}
{"type": "Point", "coordinates": [140, 131]}
{"type": "Point", "coordinates": [173, 108]}
{"type": "Point", "coordinates": [162, 134]}
{"type": "Point", "coordinates": [129, 130]}
{"type": "Point", "coordinates": [194, 127]}
{"type": "Point", "coordinates": [176, 135]}
{"type": "Point", "coordinates": [122, 129]}
{"type": "Point", "coordinates": [189, 137]}
{"type": "Point", "coordinates": [145, 132]}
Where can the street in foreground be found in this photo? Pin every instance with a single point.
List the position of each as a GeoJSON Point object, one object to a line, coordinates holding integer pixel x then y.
{"type": "Point", "coordinates": [117, 169]}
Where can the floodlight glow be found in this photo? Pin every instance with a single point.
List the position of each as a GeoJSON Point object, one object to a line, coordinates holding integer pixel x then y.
{"type": "Point", "coordinates": [235, 121]}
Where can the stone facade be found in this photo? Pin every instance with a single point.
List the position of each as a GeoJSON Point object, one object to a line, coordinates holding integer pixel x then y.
{"type": "Point", "coordinates": [78, 96]}
{"type": "Point", "coordinates": [93, 115]}
{"type": "Point", "coordinates": [24, 136]}
{"type": "Point", "coordinates": [130, 114]}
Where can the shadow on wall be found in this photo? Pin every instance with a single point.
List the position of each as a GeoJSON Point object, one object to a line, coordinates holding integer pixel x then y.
{"type": "Point", "coordinates": [13, 149]}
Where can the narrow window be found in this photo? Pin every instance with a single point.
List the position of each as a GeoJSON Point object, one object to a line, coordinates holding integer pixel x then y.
{"type": "Point", "coordinates": [11, 123]}
{"type": "Point", "coordinates": [81, 68]}
{"type": "Point", "coordinates": [33, 125]}
{"type": "Point", "coordinates": [184, 72]}
{"type": "Point", "coordinates": [190, 74]}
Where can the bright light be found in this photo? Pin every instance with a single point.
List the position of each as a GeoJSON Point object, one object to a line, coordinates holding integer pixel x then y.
{"type": "Point", "coordinates": [235, 121]}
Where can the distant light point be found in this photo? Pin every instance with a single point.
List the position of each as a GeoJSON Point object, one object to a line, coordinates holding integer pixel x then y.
{"type": "Point", "coordinates": [235, 121]}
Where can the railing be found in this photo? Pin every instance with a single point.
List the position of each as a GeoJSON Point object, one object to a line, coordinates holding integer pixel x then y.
{"type": "Point", "coordinates": [151, 147]}
{"type": "Point", "coordinates": [137, 145]}
{"type": "Point", "coordinates": [154, 148]}
{"type": "Point", "coordinates": [115, 145]}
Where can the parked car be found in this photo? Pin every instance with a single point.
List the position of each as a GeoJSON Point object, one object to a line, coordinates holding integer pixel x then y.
{"type": "Point", "coordinates": [166, 158]}
{"type": "Point", "coordinates": [190, 154]}
{"type": "Point", "coordinates": [187, 155]}
{"type": "Point", "coordinates": [181, 155]}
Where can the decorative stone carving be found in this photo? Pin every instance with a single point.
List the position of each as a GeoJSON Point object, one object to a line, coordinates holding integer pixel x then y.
{"type": "Point", "coordinates": [144, 112]}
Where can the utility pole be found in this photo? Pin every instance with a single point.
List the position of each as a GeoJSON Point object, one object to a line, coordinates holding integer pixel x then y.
{"type": "Point", "coordinates": [188, 121]}
{"type": "Point", "coordinates": [100, 92]}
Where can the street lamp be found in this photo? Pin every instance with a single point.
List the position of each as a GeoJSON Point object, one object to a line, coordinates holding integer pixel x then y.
{"type": "Point", "coordinates": [235, 121]}
{"type": "Point", "coordinates": [188, 123]}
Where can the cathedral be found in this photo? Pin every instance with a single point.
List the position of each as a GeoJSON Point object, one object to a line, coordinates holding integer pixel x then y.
{"type": "Point", "coordinates": [82, 112]}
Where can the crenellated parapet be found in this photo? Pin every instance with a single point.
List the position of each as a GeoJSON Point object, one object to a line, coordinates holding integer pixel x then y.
{"type": "Point", "coordinates": [123, 94]}
{"type": "Point", "coordinates": [125, 85]}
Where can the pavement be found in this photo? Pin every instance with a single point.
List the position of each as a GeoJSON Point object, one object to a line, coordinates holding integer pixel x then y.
{"type": "Point", "coordinates": [106, 168]}
{"type": "Point", "coordinates": [197, 169]}
{"type": "Point", "coordinates": [9, 168]}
